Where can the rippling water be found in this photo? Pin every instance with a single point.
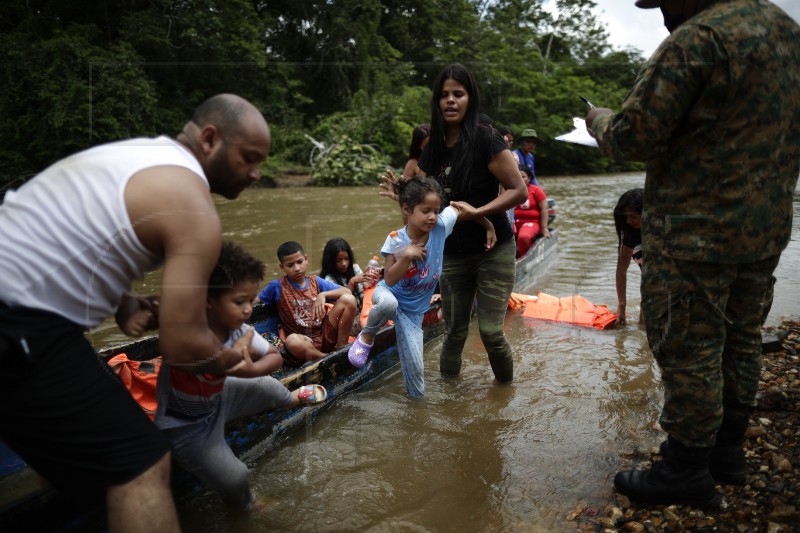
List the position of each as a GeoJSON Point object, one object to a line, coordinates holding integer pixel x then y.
{"type": "Point", "coordinates": [473, 456]}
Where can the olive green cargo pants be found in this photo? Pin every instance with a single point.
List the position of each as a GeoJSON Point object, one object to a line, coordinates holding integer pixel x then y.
{"type": "Point", "coordinates": [703, 324]}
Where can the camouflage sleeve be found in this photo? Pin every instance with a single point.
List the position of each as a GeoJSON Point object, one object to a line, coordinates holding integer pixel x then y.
{"type": "Point", "coordinates": [663, 93]}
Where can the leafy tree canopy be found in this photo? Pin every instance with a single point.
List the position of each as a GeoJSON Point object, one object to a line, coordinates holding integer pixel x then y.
{"type": "Point", "coordinates": [351, 73]}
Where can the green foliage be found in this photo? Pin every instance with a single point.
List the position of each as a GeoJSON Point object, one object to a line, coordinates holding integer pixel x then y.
{"type": "Point", "coordinates": [577, 32]}
{"type": "Point", "coordinates": [411, 109]}
{"type": "Point", "coordinates": [348, 72]}
{"type": "Point", "coordinates": [385, 120]}
{"type": "Point", "coordinates": [289, 144]}
{"type": "Point", "coordinates": [65, 93]}
{"type": "Point", "coordinates": [348, 163]}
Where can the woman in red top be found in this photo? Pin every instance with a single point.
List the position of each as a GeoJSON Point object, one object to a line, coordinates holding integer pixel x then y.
{"type": "Point", "coordinates": [530, 218]}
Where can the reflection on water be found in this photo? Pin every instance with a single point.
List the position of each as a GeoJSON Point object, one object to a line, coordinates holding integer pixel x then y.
{"type": "Point", "coordinates": [474, 455]}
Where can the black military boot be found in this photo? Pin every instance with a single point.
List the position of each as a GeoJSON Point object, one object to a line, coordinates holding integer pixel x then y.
{"type": "Point", "coordinates": [681, 478]}
{"type": "Point", "coordinates": [726, 461]}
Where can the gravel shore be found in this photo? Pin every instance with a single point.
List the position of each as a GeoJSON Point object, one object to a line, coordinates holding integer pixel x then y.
{"type": "Point", "coordinates": [770, 500]}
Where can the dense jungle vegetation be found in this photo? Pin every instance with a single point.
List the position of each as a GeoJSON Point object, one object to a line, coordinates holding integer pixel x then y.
{"type": "Point", "coordinates": [346, 72]}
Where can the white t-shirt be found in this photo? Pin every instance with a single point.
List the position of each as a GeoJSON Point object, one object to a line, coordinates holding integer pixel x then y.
{"type": "Point", "coordinates": [67, 244]}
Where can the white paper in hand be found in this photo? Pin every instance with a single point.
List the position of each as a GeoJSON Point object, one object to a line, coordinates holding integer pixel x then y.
{"type": "Point", "coordinates": [580, 135]}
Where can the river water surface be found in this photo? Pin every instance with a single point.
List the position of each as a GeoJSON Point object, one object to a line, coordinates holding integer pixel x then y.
{"type": "Point", "coordinates": [472, 456]}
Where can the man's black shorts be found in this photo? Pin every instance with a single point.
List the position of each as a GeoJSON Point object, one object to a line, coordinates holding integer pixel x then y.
{"type": "Point", "coordinates": [63, 409]}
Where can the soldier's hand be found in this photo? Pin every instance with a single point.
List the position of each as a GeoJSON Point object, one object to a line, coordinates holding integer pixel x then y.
{"type": "Point", "coordinates": [594, 113]}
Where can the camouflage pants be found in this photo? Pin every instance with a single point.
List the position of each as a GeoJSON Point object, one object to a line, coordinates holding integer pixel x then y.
{"type": "Point", "coordinates": [490, 276]}
{"type": "Point", "coordinates": [704, 324]}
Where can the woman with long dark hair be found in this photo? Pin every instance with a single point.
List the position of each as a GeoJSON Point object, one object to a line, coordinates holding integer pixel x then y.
{"type": "Point", "coordinates": [628, 223]}
{"type": "Point", "coordinates": [470, 159]}
{"type": "Point", "coordinates": [419, 139]}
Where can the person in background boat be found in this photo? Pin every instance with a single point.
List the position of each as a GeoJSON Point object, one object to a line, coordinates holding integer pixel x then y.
{"type": "Point", "coordinates": [628, 223]}
{"type": "Point", "coordinates": [530, 217]}
{"type": "Point", "coordinates": [419, 139]}
{"type": "Point", "coordinates": [413, 256]}
{"type": "Point", "coordinates": [72, 240]}
{"type": "Point", "coordinates": [715, 113]}
{"type": "Point", "coordinates": [508, 135]}
{"type": "Point", "coordinates": [339, 266]}
{"type": "Point", "coordinates": [311, 330]}
{"type": "Point", "coordinates": [528, 141]}
{"type": "Point", "coordinates": [470, 160]}
{"type": "Point", "coordinates": [194, 408]}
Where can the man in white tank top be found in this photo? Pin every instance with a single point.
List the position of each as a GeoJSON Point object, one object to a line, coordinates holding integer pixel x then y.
{"type": "Point", "coordinates": [72, 240]}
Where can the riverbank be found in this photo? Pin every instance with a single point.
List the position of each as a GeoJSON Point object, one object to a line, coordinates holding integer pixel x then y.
{"type": "Point", "coordinates": [770, 500]}
{"type": "Point", "coordinates": [282, 180]}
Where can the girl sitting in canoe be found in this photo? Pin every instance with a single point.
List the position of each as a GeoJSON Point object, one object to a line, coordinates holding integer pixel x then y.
{"type": "Point", "coordinates": [339, 266]}
{"type": "Point", "coordinates": [413, 257]}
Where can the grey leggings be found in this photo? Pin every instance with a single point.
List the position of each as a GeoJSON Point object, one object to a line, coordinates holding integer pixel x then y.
{"type": "Point", "coordinates": [408, 332]}
{"type": "Point", "coordinates": [201, 449]}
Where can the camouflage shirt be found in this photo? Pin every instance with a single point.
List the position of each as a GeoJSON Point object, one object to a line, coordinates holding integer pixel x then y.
{"type": "Point", "coordinates": [715, 113]}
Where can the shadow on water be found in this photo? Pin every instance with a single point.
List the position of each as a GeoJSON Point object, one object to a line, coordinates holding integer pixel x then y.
{"type": "Point", "coordinates": [473, 455]}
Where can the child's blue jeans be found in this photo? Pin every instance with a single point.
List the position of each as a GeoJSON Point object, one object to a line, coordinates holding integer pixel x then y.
{"type": "Point", "coordinates": [408, 331]}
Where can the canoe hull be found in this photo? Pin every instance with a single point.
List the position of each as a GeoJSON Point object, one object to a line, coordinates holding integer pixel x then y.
{"type": "Point", "coordinates": [32, 504]}
{"type": "Point", "coordinates": [528, 268]}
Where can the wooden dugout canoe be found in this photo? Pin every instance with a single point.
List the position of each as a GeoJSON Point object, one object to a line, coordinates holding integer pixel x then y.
{"type": "Point", "coordinates": [29, 503]}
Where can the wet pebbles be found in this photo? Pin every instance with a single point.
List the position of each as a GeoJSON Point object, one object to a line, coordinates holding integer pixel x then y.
{"type": "Point", "coordinates": [770, 500]}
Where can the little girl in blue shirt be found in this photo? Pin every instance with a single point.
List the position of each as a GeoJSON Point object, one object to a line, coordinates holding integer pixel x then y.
{"type": "Point", "coordinates": [413, 265]}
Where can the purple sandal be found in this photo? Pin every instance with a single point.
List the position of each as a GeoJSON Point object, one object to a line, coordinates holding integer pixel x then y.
{"type": "Point", "coordinates": [358, 353]}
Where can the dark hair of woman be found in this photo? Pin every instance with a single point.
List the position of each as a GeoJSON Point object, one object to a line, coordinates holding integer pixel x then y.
{"type": "Point", "coordinates": [421, 132]}
{"type": "Point", "coordinates": [470, 127]}
{"type": "Point", "coordinates": [631, 199]}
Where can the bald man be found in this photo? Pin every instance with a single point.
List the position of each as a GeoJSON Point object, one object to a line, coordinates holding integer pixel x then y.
{"type": "Point", "coordinates": [72, 239]}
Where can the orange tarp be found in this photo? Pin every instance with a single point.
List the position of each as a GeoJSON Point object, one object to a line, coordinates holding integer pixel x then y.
{"type": "Point", "coordinates": [366, 305]}
{"type": "Point", "coordinates": [570, 309]}
{"type": "Point", "coordinates": [140, 378]}
{"type": "Point", "coordinates": [517, 301]}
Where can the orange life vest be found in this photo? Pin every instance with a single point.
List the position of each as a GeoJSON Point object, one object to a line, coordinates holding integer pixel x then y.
{"type": "Point", "coordinates": [571, 309]}
{"type": "Point", "coordinates": [367, 305]}
{"type": "Point", "coordinates": [140, 378]}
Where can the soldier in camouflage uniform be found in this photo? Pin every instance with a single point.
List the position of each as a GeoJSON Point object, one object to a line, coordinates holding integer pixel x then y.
{"type": "Point", "coordinates": [715, 113]}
